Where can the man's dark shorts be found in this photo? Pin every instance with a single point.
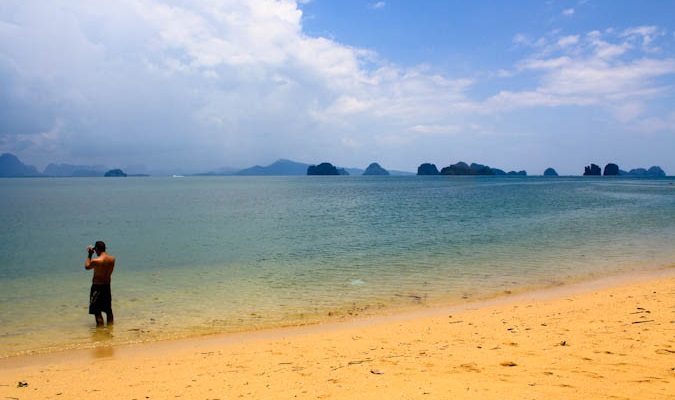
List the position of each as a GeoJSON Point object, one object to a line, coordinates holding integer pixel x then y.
{"type": "Point", "coordinates": [100, 299]}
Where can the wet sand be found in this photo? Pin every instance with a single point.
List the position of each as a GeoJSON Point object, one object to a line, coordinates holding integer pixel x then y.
{"type": "Point", "coordinates": [611, 338]}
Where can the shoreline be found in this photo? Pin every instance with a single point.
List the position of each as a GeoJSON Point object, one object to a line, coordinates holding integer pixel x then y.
{"type": "Point", "coordinates": [122, 334]}
{"type": "Point", "coordinates": [573, 285]}
{"type": "Point", "coordinates": [543, 343]}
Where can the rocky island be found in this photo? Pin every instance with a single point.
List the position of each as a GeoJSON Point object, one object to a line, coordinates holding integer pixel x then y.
{"type": "Point", "coordinates": [612, 169]}
{"type": "Point", "coordinates": [325, 169]}
{"type": "Point", "coordinates": [462, 168]}
{"type": "Point", "coordinates": [375, 169]}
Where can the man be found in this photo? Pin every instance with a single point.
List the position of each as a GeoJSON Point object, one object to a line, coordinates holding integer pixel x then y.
{"type": "Point", "coordinates": [100, 298]}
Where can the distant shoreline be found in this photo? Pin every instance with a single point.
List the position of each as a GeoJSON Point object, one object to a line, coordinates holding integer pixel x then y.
{"type": "Point", "coordinates": [12, 167]}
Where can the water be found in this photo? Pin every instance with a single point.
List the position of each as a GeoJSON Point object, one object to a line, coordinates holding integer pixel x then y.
{"type": "Point", "coordinates": [222, 254]}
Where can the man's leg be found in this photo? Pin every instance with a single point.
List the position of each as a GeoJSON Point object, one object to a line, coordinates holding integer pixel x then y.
{"type": "Point", "coordinates": [99, 319]}
{"type": "Point", "coordinates": [109, 317]}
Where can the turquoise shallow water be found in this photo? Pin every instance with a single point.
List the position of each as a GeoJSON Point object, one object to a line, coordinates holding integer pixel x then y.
{"type": "Point", "coordinates": [220, 254]}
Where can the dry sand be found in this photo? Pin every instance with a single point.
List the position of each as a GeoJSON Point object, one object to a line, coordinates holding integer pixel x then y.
{"type": "Point", "coordinates": [613, 339]}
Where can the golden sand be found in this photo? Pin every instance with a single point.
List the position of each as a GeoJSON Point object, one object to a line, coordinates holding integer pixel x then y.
{"type": "Point", "coordinates": [611, 339]}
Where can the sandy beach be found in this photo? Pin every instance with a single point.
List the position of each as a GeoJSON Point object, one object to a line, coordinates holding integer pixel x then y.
{"type": "Point", "coordinates": [611, 338]}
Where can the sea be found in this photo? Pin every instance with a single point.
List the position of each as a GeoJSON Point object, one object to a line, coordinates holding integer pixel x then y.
{"type": "Point", "coordinates": [209, 255]}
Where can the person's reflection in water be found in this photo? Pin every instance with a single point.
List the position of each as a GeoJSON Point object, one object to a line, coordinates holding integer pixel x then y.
{"type": "Point", "coordinates": [102, 341]}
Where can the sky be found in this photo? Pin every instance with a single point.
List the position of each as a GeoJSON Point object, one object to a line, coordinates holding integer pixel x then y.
{"type": "Point", "coordinates": [192, 86]}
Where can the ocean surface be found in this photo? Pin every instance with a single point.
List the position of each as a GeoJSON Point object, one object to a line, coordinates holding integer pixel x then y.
{"type": "Point", "coordinates": [204, 255]}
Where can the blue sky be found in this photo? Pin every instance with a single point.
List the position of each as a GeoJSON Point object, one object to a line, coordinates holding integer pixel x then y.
{"type": "Point", "coordinates": [188, 86]}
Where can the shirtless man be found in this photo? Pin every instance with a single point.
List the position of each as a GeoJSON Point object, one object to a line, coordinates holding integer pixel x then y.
{"type": "Point", "coordinates": [100, 298]}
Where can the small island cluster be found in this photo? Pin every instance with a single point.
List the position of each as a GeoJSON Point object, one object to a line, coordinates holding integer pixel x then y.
{"type": "Point", "coordinates": [460, 168]}
{"type": "Point", "coordinates": [464, 169]}
{"type": "Point", "coordinates": [612, 169]}
{"type": "Point", "coordinates": [329, 169]}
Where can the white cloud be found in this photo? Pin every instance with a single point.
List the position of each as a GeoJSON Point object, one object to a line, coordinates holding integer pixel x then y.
{"type": "Point", "coordinates": [435, 130]}
{"type": "Point", "coordinates": [222, 72]}
{"type": "Point", "coordinates": [651, 125]}
{"type": "Point", "coordinates": [643, 36]}
{"type": "Point", "coordinates": [520, 38]}
{"type": "Point", "coordinates": [604, 49]}
{"type": "Point", "coordinates": [524, 40]}
{"type": "Point", "coordinates": [568, 12]}
{"type": "Point", "coordinates": [378, 5]}
{"type": "Point", "coordinates": [601, 69]}
{"type": "Point", "coordinates": [568, 40]}
{"type": "Point", "coordinates": [626, 112]}
{"type": "Point", "coordinates": [346, 105]}
{"type": "Point", "coordinates": [547, 64]}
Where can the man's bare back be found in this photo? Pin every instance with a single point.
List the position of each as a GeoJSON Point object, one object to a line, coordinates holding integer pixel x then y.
{"type": "Point", "coordinates": [103, 267]}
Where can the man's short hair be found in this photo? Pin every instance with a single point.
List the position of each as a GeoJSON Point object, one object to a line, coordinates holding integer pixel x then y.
{"type": "Point", "coordinates": [99, 246]}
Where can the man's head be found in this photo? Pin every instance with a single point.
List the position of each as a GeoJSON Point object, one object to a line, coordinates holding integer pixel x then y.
{"type": "Point", "coordinates": [99, 247]}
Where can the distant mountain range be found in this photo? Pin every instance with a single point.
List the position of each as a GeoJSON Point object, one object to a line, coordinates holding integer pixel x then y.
{"type": "Point", "coordinates": [11, 166]}
{"type": "Point", "coordinates": [74, 170]}
{"type": "Point", "coordinates": [284, 167]}
{"type": "Point", "coordinates": [279, 167]}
